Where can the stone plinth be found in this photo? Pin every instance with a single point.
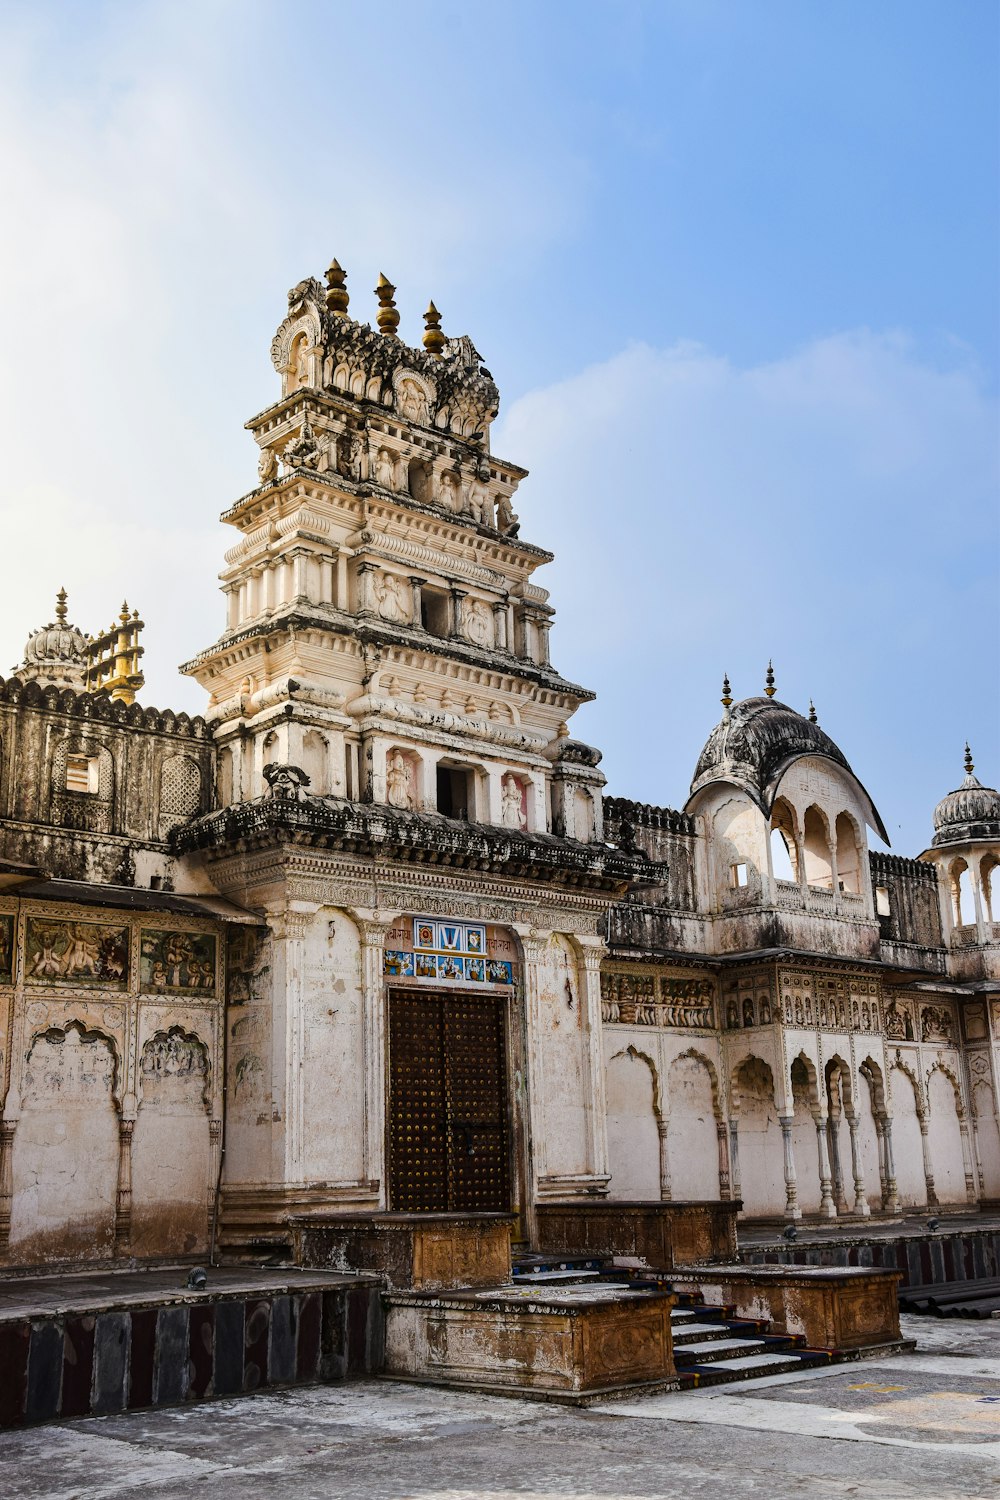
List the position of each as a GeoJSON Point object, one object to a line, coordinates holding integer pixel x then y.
{"type": "Point", "coordinates": [426, 1252]}
{"type": "Point", "coordinates": [662, 1234]}
{"type": "Point", "coordinates": [835, 1309]}
{"type": "Point", "coordinates": [571, 1344]}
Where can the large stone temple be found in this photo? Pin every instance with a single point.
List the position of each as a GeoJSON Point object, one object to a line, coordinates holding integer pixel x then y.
{"type": "Point", "coordinates": [367, 943]}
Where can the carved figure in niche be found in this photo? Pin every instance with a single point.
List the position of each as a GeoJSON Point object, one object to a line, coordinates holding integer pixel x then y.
{"type": "Point", "coordinates": [301, 355]}
{"type": "Point", "coordinates": [177, 961]}
{"type": "Point", "coordinates": [822, 1012]}
{"type": "Point", "coordinates": [384, 469]}
{"type": "Point", "coordinates": [732, 1016]}
{"type": "Point", "coordinates": [6, 948]}
{"type": "Point", "coordinates": [748, 1015]}
{"type": "Point", "coordinates": [450, 491]}
{"type": "Point", "coordinates": [765, 1011]}
{"type": "Point", "coordinates": [397, 781]}
{"type": "Point", "coordinates": [412, 402]}
{"type": "Point", "coordinates": [477, 623]}
{"type": "Point", "coordinates": [172, 1056]}
{"type": "Point", "coordinates": [512, 802]}
{"type": "Point", "coordinates": [788, 1011]}
{"type": "Point", "coordinates": [303, 452]}
{"type": "Point", "coordinates": [855, 1015]}
{"type": "Point", "coordinates": [349, 455]}
{"type": "Point", "coordinates": [799, 1013]}
{"type": "Point", "coordinates": [267, 465]}
{"type": "Point", "coordinates": [507, 519]}
{"type": "Point", "coordinates": [866, 1019]}
{"type": "Point", "coordinates": [391, 600]}
{"type": "Point", "coordinates": [286, 782]}
{"type": "Point", "coordinates": [935, 1025]}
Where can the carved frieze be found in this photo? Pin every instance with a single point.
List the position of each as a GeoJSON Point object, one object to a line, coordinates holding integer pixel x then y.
{"type": "Point", "coordinates": [87, 955]}
{"type": "Point", "coordinates": [821, 1001]}
{"type": "Point", "coordinates": [178, 963]}
{"type": "Point", "coordinates": [7, 928]}
{"type": "Point", "coordinates": [937, 1024]}
{"type": "Point", "coordinates": [636, 998]}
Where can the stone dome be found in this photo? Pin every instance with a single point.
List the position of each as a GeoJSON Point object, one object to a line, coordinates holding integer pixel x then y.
{"type": "Point", "coordinates": [970, 812]}
{"type": "Point", "coordinates": [754, 745]}
{"type": "Point", "coordinates": [57, 653]}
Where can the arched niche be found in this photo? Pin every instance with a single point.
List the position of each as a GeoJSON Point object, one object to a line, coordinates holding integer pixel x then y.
{"type": "Point", "coordinates": [907, 1146]}
{"type": "Point", "coordinates": [633, 1114]}
{"type": "Point", "coordinates": [943, 1114]}
{"type": "Point", "coordinates": [171, 1146]}
{"type": "Point", "coordinates": [692, 1134]}
{"type": "Point", "coordinates": [816, 849]}
{"type": "Point", "coordinates": [761, 1155]}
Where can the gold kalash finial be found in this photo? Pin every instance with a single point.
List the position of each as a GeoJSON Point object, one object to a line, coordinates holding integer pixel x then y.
{"type": "Point", "coordinates": [388, 317]}
{"type": "Point", "coordinates": [769, 689]}
{"type": "Point", "coordinates": [727, 697]}
{"type": "Point", "coordinates": [61, 611]}
{"type": "Point", "coordinates": [969, 766]}
{"type": "Point", "coordinates": [434, 339]}
{"type": "Point", "coordinates": [113, 658]}
{"type": "Point", "coordinates": [337, 295]}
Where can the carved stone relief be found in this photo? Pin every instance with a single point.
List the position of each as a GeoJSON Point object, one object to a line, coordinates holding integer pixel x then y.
{"type": "Point", "coordinates": [90, 955]}
{"type": "Point", "coordinates": [178, 962]}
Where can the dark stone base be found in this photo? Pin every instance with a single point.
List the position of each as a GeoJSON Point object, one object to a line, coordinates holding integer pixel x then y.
{"type": "Point", "coordinates": [661, 1234]}
{"type": "Point", "coordinates": [421, 1252]}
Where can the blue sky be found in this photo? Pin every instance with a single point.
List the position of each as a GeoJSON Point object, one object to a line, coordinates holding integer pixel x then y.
{"type": "Point", "coordinates": [734, 266]}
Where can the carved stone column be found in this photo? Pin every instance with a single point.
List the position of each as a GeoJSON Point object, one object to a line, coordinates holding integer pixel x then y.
{"type": "Point", "coordinates": [722, 1135]}
{"type": "Point", "coordinates": [891, 1189]}
{"type": "Point", "coordinates": [373, 927]}
{"type": "Point", "coordinates": [833, 1140]}
{"type": "Point", "coordinates": [860, 1201]}
{"type": "Point", "coordinates": [882, 1175]}
{"type": "Point", "coordinates": [215, 1148]}
{"type": "Point", "coordinates": [366, 588]}
{"type": "Point", "coordinates": [590, 952]}
{"type": "Point", "coordinates": [543, 628]}
{"type": "Point", "coordinates": [457, 612]}
{"type": "Point", "coordinates": [662, 1130]}
{"type": "Point", "coordinates": [734, 1157]}
{"type": "Point", "coordinates": [6, 1179]}
{"type": "Point", "coordinates": [792, 1209]}
{"type": "Point", "coordinates": [500, 626]}
{"type": "Point", "coordinates": [417, 584]}
{"type": "Point", "coordinates": [925, 1146]}
{"type": "Point", "coordinates": [289, 929]}
{"type": "Point", "coordinates": [970, 1181]}
{"type": "Point", "coordinates": [827, 1207]}
{"type": "Point", "coordinates": [123, 1196]}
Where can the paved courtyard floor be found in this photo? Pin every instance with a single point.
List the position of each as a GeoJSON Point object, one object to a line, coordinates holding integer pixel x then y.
{"type": "Point", "coordinates": [920, 1425]}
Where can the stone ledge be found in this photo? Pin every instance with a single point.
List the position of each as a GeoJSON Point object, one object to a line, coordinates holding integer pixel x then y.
{"type": "Point", "coordinates": [662, 1234]}
{"type": "Point", "coordinates": [426, 1252]}
{"type": "Point", "coordinates": [837, 1308]}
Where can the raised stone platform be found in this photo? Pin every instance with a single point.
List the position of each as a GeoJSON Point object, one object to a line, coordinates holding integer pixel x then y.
{"type": "Point", "coordinates": [662, 1234]}
{"type": "Point", "coordinates": [838, 1309]}
{"type": "Point", "coordinates": [423, 1252]}
{"type": "Point", "coordinates": [71, 1346]}
{"type": "Point", "coordinates": [576, 1343]}
{"type": "Point", "coordinates": [961, 1247]}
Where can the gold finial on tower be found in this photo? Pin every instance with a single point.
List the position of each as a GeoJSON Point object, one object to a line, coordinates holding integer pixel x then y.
{"type": "Point", "coordinates": [969, 767]}
{"type": "Point", "coordinates": [113, 658]}
{"type": "Point", "coordinates": [337, 295]}
{"type": "Point", "coordinates": [727, 696]}
{"type": "Point", "coordinates": [812, 712]}
{"type": "Point", "coordinates": [388, 317]}
{"type": "Point", "coordinates": [61, 598]}
{"type": "Point", "coordinates": [433, 337]}
{"type": "Point", "coordinates": [769, 688]}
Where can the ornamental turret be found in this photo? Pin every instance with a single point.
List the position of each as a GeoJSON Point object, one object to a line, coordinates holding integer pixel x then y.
{"type": "Point", "coordinates": [385, 635]}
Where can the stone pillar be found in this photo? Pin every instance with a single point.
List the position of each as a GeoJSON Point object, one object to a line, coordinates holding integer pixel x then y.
{"type": "Point", "coordinates": [827, 1207]}
{"type": "Point", "coordinates": [289, 928]}
{"type": "Point", "coordinates": [860, 1201]}
{"type": "Point", "coordinates": [366, 589]}
{"type": "Point", "coordinates": [892, 1191]}
{"type": "Point", "coordinates": [734, 1157]}
{"type": "Point", "coordinates": [882, 1174]}
{"type": "Point", "coordinates": [725, 1191]}
{"type": "Point", "coordinates": [970, 1181]}
{"type": "Point", "coordinates": [300, 563]}
{"type": "Point", "coordinates": [373, 927]}
{"type": "Point", "coordinates": [662, 1127]}
{"type": "Point", "coordinates": [834, 873]}
{"type": "Point", "coordinates": [6, 1179]}
{"type": "Point", "coordinates": [543, 628]}
{"type": "Point", "coordinates": [792, 1209]}
{"type": "Point", "coordinates": [590, 952]}
{"type": "Point", "coordinates": [123, 1195]}
{"type": "Point", "coordinates": [833, 1138]}
{"type": "Point", "coordinates": [215, 1148]}
{"type": "Point", "coordinates": [457, 622]}
{"type": "Point", "coordinates": [925, 1146]}
{"type": "Point", "coordinates": [342, 598]}
{"type": "Point", "coordinates": [417, 584]}
{"type": "Point", "coordinates": [500, 626]}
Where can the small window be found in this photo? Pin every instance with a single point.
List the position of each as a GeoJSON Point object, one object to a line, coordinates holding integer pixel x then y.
{"type": "Point", "coordinates": [82, 774]}
{"type": "Point", "coordinates": [453, 792]}
{"type": "Point", "coordinates": [738, 874]}
{"type": "Point", "coordinates": [882, 908]}
{"type": "Point", "coordinates": [434, 615]}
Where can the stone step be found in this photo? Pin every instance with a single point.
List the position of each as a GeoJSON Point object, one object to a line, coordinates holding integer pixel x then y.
{"type": "Point", "coordinates": [693, 1332]}
{"type": "Point", "coordinates": [748, 1367]}
{"type": "Point", "coordinates": [710, 1351]}
{"type": "Point", "coordinates": [531, 1278]}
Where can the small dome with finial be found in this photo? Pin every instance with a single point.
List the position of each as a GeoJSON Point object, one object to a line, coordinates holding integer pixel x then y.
{"type": "Point", "coordinates": [57, 653]}
{"type": "Point", "coordinates": [970, 812]}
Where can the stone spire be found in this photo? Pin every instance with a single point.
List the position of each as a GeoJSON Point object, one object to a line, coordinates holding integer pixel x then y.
{"type": "Point", "coordinates": [388, 317]}
{"type": "Point", "coordinates": [434, 339]}
{"type": "Point", "coordinates": [337, 296]}
{"type": "Point", "coordinates": [769, 689]}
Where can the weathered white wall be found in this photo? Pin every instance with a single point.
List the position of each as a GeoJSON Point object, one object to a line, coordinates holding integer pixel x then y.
{"type": "Point", "coordinates": [906, 1142]}
{"type": "Point", "coordinates": [761, 1156]}
{"type": "Point", "coordinates": [946, 1139]}
{"type": "Point", "coordinates": [171, 1150]}
{"type": "Point", "coordinates": [333, 1058]}
{"type": "Point", "coordinates": [692, 1139]}
{"type": "Point", "coordinates": [633, 1137]}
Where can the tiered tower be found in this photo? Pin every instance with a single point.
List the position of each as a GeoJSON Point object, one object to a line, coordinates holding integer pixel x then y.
{"type": "Point", "coordinates": [384, 637]}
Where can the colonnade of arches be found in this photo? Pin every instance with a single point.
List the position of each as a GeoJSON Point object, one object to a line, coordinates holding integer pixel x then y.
{"type": "Point", "coordinates": [974, 891]}
{"type": "Point", "coordinates": [814, 853]}
{"type": "Point", "coordinates": [841, 1148]}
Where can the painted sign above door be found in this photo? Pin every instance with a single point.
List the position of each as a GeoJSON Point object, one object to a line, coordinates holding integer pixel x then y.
{"type": "Point", "coordinates": [440, 949]}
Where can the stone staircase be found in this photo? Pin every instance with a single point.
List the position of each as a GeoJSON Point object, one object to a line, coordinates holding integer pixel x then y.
{"type": "Point", "coordinates": [712, 1345]}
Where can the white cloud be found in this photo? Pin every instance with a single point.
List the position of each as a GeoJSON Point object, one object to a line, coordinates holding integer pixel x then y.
{"type": "Point", "coordinates": [835, 509]}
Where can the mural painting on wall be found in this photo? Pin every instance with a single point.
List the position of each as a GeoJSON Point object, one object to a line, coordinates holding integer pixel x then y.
{"type": "Point", "coordinates": [173, 1054]}
{"type": "Point", "coordinates": [6, 948]}
{"type": "Point", "coordinates": [178, 962]}
{"type": "Point", "coordinates": [90, 955]}
{"type": "Point", "coordinates": [453, 951]}
{"type": "Point", "coordinates": [248, 961]}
